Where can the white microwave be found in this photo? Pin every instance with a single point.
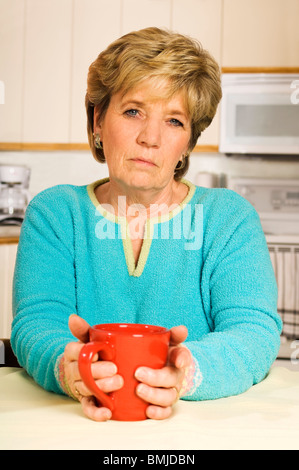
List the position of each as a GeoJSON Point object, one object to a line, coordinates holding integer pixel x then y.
{"type": "Point", "coordinates": [259, 114]}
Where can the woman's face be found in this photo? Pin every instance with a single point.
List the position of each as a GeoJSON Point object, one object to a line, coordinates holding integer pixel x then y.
{"type": "Point", "coordinates": [144, 136]}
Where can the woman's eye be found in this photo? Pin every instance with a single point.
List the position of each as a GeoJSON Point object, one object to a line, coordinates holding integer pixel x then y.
{"type": "Point", "coordinates": [131, 112]}
{"type": "Point", "coordinates": [176, 123]}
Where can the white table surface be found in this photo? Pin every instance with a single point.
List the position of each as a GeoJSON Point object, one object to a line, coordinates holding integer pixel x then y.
{"type": "Point", "coordinates": [265, 417]}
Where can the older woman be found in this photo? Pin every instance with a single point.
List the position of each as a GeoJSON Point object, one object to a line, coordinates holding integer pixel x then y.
{"type": "Point", "coordinates": [146, 245]}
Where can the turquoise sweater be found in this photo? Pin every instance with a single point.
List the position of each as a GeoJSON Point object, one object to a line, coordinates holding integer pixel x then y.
{"type": "Point", "coordinates": [205, 266]}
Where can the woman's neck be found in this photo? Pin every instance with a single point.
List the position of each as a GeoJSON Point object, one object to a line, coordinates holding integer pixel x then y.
{"type": "Point", "coordinates": [127, 202]}
{"type": "Point", "coordinates": [138, 206]}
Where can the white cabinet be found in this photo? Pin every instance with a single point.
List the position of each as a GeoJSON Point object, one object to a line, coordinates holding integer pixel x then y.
{"type": "Point", "coordinates": [47, 70]}
{"type": "Point", "coordinates": [96, 23]}
{"type": "Point", "coordinates": [142, 14]}
{"type": "Point", "coordinates": [260, 33]}
{"type": "Point", "coordinates": [7, 264]}
{"type": "Point", "coordinates": [11, 69]}
{"type": "Point", "coordinates": [35, 67]}
{"type": "Point", "coordinates": [201, 19]}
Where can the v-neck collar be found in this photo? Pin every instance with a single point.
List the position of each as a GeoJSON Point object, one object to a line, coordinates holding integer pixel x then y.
{"type": "Point", "coordinates": [137, 269]}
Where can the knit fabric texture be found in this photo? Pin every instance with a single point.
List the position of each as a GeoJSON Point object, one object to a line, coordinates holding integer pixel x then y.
{"type": "Point", "coordinates": [205, 266]}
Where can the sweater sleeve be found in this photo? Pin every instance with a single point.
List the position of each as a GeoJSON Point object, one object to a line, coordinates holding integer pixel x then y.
{"type": "Point", "coordinates": [239, 295]}
{"type": "Point", "coordinates": [44, 290]}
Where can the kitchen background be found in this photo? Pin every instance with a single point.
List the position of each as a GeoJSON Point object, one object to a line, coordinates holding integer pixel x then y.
{"type": "Point", "coordinates": [46, 47]}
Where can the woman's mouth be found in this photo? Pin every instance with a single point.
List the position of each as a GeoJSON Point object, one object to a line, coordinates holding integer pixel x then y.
{"type": "Point", "coordinates": [143, 161]}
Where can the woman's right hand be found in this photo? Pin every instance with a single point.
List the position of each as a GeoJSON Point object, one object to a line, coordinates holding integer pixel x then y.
{"type": "Point", "coordinates": [104, 373]}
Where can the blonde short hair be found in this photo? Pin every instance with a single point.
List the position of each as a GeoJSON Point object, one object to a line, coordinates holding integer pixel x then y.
{"type": "Point", "coordinates": [155, 53]}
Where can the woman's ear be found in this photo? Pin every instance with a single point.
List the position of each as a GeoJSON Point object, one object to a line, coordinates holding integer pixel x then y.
{"type": "Point", "coordinates": [96, 121]}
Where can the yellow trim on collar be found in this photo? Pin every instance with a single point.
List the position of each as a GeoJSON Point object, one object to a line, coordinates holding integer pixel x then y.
{"type": "Point", "coordinates": [133, 269]}
{"type": "Point", "coordinates": [105, 212]}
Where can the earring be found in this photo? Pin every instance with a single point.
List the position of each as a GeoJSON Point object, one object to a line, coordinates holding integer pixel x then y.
{"type": "Point", "coordinates": [97, 142]}
{"type": "Point", "coordinates": [183, 161]}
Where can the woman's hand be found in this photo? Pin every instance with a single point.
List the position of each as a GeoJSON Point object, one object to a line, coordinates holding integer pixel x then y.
{"type": "Point", "coordinates": [161, 387]}
{"type": "Point", "coordinates": [104, 373]}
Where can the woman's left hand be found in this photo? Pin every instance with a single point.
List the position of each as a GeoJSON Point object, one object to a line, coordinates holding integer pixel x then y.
{"type": "Point", "coordinates": [161, 387]}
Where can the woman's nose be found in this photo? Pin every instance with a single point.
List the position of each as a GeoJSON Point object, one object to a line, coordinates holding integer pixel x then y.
{"type": "Point", "coordinates": [150, 133]}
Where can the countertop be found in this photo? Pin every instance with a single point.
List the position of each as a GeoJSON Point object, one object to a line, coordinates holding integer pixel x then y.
{"type": "Point", "coordinates": [264, 417]}
{"type": "Point", "coordinates": [9, 233]}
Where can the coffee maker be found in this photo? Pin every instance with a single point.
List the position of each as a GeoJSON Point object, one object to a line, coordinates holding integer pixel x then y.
{"type": "Point", "coordinates": [14, 194]}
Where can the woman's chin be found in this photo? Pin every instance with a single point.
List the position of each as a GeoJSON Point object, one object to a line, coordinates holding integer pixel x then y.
{"type": "Point", "coordinates": [142, 182]}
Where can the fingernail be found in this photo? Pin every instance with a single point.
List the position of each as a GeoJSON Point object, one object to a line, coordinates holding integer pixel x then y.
{"type": "Point", "coordinates": [107, 415]}
{"type": "Point", "coordinates": [180, 363]}
{"type": "Point", "coordinates": [113, 369]}
{"type": "Point", "coordinates": [141, 389]}
{"type": "Point", "coordinates": [140, 374]}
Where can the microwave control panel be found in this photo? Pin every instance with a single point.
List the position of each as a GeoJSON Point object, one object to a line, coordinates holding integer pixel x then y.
{"type": "Point", "coordinates": [266, 195]}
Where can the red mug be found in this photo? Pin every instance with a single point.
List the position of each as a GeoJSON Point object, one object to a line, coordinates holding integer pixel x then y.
{"type": "Point", "coordinates": [129, 346]}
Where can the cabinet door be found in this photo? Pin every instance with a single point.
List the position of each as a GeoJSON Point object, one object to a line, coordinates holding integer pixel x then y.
{"type": "Point", "coordinates": [261, 33]}
{"type": "Point", "coordinates": [47, 73]}
{"type": "Point", "coordinates": [142, 14]}
{"type": "Point", "coordinates": [96, 23]}
{"type": "Point", "coordinates": [11, 69]}
{"type": "Point", "coordinates": [7, 264]}
{"type": "Point", "coordinates": [201, 19]}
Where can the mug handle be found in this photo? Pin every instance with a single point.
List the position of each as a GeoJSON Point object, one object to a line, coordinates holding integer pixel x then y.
{"type": "Point", "coordinates": [84, 362]}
